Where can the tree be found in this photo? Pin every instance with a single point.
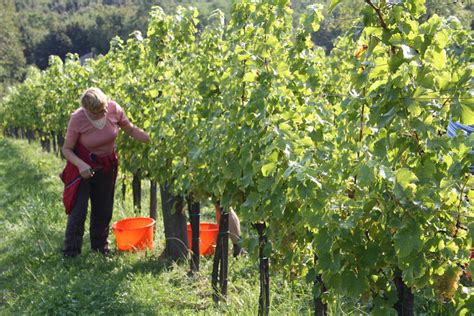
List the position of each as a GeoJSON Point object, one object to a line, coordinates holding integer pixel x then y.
{"type": "Point", "coordinates": [57, 43]}
{"type": "Point", "coordinates": [12, 60]}
{"type": "Point", "coordinates": [79, 36]}
{"type": "Point", "coordinates": [463, 10]}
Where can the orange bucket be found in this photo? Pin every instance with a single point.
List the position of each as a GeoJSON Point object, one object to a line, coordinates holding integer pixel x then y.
{"type": "Point", "coordinates": [208, 238]}
{"type": "Point", "coordinates": [134, 233]}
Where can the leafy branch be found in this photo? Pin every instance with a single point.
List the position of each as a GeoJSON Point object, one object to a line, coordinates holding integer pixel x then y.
{"type": "Point", "coordinates": [379, 13]}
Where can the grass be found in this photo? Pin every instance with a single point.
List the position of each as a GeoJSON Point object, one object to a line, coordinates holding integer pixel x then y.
{"type": "Point", "coordinates": [36, 279]}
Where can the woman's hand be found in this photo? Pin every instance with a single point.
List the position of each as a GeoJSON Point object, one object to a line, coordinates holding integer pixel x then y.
{"type": "Point", "coordinates": [85, 170]}
{"type": "Point", "coordinates": [68, 152]}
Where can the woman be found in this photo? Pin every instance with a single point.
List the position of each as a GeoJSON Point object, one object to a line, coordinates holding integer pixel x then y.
{"type": "Point", "coordinates": [91, 168]}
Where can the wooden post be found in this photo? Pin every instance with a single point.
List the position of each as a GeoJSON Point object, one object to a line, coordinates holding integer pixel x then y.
{"type": "Point", "coordinates": [215, 270]}
{"type": "Point", "coordinates": [194, 210]}
{"type": "Point", "coordinates": [221, 258]}
{"type": "Point", "coordinates": [320, 308]}
{"type": "Point", "coordinates": [264, 298]}
{"type": "Point", "coordinates": [153, 199]}
{"type": "Point", "coordinates": [124, 189]}
{"type": "Point", "coordinates": [175, 224]}
{"type": "Point", "coordinates": [406, 299]}
{"type": "Point", "coordinates": [137, 191]}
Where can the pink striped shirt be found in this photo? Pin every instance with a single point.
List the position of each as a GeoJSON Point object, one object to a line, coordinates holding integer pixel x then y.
{"type": "Point", "coordinates": [99, 141]}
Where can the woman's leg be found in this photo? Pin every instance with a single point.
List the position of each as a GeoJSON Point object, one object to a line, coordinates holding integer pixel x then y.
{"type": "Point", "coordinates": [75, 222]}
{"type": "Point", "coordinates": [102, 201]}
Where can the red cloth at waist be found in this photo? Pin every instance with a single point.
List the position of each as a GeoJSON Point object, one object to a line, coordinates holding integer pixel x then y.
{"type": "Point", "coordinates": [72, 178]}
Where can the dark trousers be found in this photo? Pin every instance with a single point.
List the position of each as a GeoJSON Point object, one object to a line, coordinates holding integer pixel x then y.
{"type": "Point", "coordinates": [100, 190]}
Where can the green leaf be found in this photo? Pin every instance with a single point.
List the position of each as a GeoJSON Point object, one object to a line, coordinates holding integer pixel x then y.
{"type": "Point", "coordinates": [154, 93]}
{"type": "Point", "coordinates": [268, 168]}
{"type": "Point", "coordinates": [414, 109]}
{"type": "Point", "coordinates": [386, 118]}
{"type": "Point", "coordinates": [324, 261]}
{"type": "Point", "coordinates": [408, 239]}
{"type": "Point", "coordinates": [273, 156]}
{"type": "Point", "coordinates": [376, 33]}
{"type": "Point", "coordinates": [333, 4]}
{"type": "Point", "coordinates": [380, 148]}
{"type": "Point", "coordinates": [405, 177]}
{"type": "Point", "coordinates": [467, 112]}
{"type": "Point", "coordinates": [365, 177]}
{"type": "Point", "coordinates": [426, 171]}
{"type": "Point", "coordinates": [441, 39]}
{"type": "Point", "coordinates": [285, 127]}
{"type": "Point", "coordinates": [307, 141]}
{"type": "Point", "coordinates": [323, 242]}
{"type": "Point", "coordinates": [250, 76]}
{"type": "Point", "coordinates": [267, 249]}
{"type": "Point", "coordinates": [354, 283]}
{"type": "Point", "coordinates": [311, 275]}
{"type": "Point", "coordinates": [437, 58]}
{"type": "Point", "coordinates": [443, 80]}
{"type": "Point", "coordinates": [251, 201]}
{"type": "Point", "coordinates": [270, 164]}
{"type": "Point", "coordinates": [383, 307]}
{"type": "Point", "coordinates": [396, 39]}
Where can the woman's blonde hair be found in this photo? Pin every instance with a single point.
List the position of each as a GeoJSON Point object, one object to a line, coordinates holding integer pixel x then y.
{"type": "Point", "coordinates": [93, 99]}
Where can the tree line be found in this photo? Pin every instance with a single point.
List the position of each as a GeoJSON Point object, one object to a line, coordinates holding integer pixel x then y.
{"type": "Point", "coordinates": [33, 30]}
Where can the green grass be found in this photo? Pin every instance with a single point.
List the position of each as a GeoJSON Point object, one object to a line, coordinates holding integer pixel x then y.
{"type": "Point", "coordinates": [36, 279]}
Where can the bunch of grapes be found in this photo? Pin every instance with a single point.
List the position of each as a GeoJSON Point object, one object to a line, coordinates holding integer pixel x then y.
{"type": "Point", "coordinates": [446, 285]}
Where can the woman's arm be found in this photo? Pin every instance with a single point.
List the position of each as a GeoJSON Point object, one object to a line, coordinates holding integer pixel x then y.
{"type": "Point", "coordinates": [68, 152]}
{"type": "Point", "coordinates": [130, 129]}
{"type": "Point", "coordinates": [136, 133]}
